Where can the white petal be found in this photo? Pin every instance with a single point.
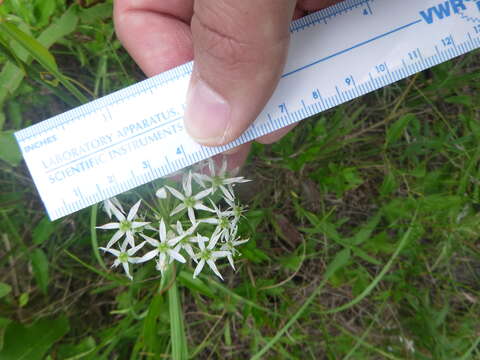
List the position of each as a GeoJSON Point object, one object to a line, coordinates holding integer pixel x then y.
{"type": "Point", "coordinates": [223, 169]}
{"type": "Point", "coordinates": [176, 256]}
{"type": "Point", "coordinates": [134, 260]}
{"type": "Point", "coordinates": [191, 215]}
{"type": "Point", "coordinates": [200, 178]}
{"type": "Point", "coordinates": [151, 241]}
{"type": "Point", "coordinates": [214, 268]}
{"type": "Point", "coordinates": [200, 206]}
{"type": "Point", "coordinates": [230, 260]}
{"type": "Point", "coordinates": [202, 194]}
{"type": "Point", "coordinates": [107, 207]}
{"type": "Point", "coordinates": [213, 221]}
{"type": "Point", "coordinates": [111, 251]}
{"type": "Point", "coordinates": [220, 254]}
{"type": "Point", "coordinates": [148, 256]}
{"type": "Point", "coordinates": [176, 193]}
{"type": "Point", "coordinates": [187, 184]}
{"type": "Point", "coordinates": [161, 193]}
{"type": "Point", "coordinates": [133, 211]}
{"type": "Point", "coordinates": [174, 241]}
{"type": "Point", "coordinates": [116, 203]}
{"type": "Point", "coordinates": [211, 166]}
{"type": "Point", "coordinates": [235, 180]}
{"type": "Point", "coordinates": [199, 268]}
{"type": "Point", "coordinates": [109, 226]}
{"type": "Point", "coordinates": [201, 240]}
{"type": "Point", "coordinates": [118, 214]}
{"type": "Point", "coordinates": [162, 231]}
{"type": "Point", "coordinates": [188, 248]}
{"type": "Point", "coordinates": [133, 250]}
{"type": "Point", "coordinates": [214, 239]}
{"type": "Point", "coordinates": [179, 228]}
{"type": "Point", "coordinates": [130, 239]}
{"type": "Point", "coordinates": [137, 224]}
{"type": "Point", "coordinates": [239, 242]}
{"type": "Point", "coordinates": [127, 270]}
{"type": "Point", "coordinates": [227, 194]}
{"type": "Point", "coordinates": [115, 238]}
{"type": "Point", "coordinates": [179, 208]}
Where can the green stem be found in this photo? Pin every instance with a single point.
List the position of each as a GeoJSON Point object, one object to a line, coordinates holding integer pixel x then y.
{"type": "Point", "coordinates": [93, 236]}
{"type": "Point", "coordinates": [177, 328]}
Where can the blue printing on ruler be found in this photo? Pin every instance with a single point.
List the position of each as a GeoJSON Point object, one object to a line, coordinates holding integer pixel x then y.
{"type": "Point", "coordinates": [351, 48]}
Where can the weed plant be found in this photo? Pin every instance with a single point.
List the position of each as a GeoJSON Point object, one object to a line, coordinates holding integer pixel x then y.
{"type": "Point", "coordinates": [363, 223]}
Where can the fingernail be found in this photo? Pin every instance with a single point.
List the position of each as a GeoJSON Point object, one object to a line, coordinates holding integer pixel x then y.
{"type": "Point", "coordinates": [207, 114]}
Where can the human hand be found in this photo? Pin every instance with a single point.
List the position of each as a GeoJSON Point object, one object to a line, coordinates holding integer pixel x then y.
{"type": "Point", "coordinates": [239, 48]}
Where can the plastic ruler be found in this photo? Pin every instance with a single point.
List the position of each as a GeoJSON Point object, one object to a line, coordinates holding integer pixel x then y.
{"type": "Point", "coordinates": [136, 135]}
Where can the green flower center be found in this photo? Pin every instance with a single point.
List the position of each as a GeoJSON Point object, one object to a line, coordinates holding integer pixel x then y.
{"type": "Point", "coordinates": [125, 225]}
{"type": "Point", "coordinates": [224, 223]}
{"type": "Point", "coordinates": [217, 181]}
{"type": "Point", "coordinates": [189, 202]}
{"type": "Point", "coordinates": [206, 254]}
{"type": "Point", "coordinates": [237, 211]}
{"type": "Point", "coordinates": [163, 247]}
{"type": "Point", "coordinates": [123, 257]}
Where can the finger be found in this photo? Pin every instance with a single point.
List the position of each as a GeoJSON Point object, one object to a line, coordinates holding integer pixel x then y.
{"type": "Point", "coordinates": [276, 135]}
{"type": "Point", "coordinates": [155, 33]}
{"type": "Point", "coordinates": [314, 5]}
{"type": "Point", "coordinates": [239, 49]}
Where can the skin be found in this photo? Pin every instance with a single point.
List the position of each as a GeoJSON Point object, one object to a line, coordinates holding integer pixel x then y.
{"type": "Point", "coordinates": [239, 49]}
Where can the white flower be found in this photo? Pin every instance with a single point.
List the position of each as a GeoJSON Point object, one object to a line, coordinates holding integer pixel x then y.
{"type": "Point", "coordinates": [126, 225]}
{"type": "Point", "coordinates": [219, 180]}
{"type": "Point", "coordinates": [224, 220]}
{"type": "Point", "coordinates": [230, 245]}
{"type": "Point", "coordinates": [163, 248]}
{"type": "Point", "coordinates": [110, 205]}
{"type": "Point", "coordinates": [409, 344]}
{"type": "Point", "coordinates": [161, 193]}
{"type": "Point", "coordinates": [237, 210]}
{"type": "Point", "coordinates": [125, 256]}
{"type": "Point", "coordinates": [189, 201]}
{"type": "Point", "coordinates": [208, 255]}
{"type": "Point", "coordinates": [185, 239]}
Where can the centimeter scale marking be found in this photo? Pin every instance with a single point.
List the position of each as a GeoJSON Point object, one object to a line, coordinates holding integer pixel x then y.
{"type": "Point", "coordinates": [136, 135]}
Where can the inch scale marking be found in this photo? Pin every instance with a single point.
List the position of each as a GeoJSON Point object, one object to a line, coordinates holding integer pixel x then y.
{"type": "Point", "coordinates": [136, 135]}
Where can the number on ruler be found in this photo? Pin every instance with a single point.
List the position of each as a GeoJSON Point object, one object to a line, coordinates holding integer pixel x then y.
{"type": "Point", "coordinates": [316, 94]}
{"type": "Point", "coordinates": [283, 108]}
{"type": "Point", "coordinates": [77, 192]}
{"type": "Point", "coordinates": [349, 80]}
{"type": "Point", "coordinates": [447, 41]}
{"type": "Point", "coordinates": [179, 151]}
{"type": "Point", "coordinates": [476, 28]}
{"type": "Point", "coordinates": [146, 164]}
{"type": "Point", "coordinates": [366, 12]}
{"type": "Point", "coordinates": [111, 179]}
{"type": "Point", "coordinates": [381, 68]}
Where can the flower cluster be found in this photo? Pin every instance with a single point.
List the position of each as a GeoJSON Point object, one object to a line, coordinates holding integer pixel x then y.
{"type": "Point", "coordinates": [186, 224]}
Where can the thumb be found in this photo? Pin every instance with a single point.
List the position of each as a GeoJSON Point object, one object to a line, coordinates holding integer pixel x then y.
{"type": "Point", "coordinates": [240, 49]}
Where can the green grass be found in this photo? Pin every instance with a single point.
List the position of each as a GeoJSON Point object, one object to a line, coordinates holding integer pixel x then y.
{"type": "Point", "coordinates": [364, 225]}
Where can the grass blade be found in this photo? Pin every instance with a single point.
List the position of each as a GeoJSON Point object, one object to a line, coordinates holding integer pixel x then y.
{"type": "Point", "coordinates": [177, 328]}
